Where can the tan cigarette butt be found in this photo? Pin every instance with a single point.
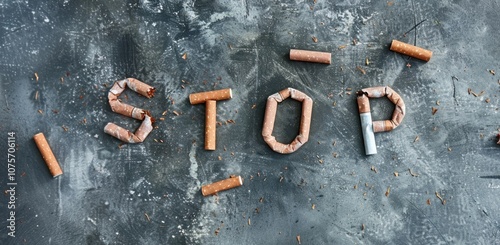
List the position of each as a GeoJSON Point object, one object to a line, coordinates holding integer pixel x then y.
{"type": "Point", "coordinates": [202, 97]}
{"type": "Point", "coordinates": [47, 154]}
{"type": "Point", "coordinates": [126, 136]}
{"type": "Point", "coordinates": [410, 50]}
{"type": "Point", "coordinates": [363, 103]}
{"type": "Point", "coordinates": [270, 117]}
{"type": "Point", "coordinates": [399, 110]}
{"type": "Point", "coordinates": [210, 124]}
{"type": "Point", "coordinates": [310, 56]}
{"type": "Point", "coordinates": [221, 185]}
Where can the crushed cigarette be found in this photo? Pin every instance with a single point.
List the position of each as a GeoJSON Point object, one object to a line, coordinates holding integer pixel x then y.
{"type": "Point", "coordinates": [185, 56]}
{"type": "Point", "coordinates": [434, 110]}
{"type": "Point", "coordinates": [130, 111]}
{"type": "Point", "coordinates": [270, 116]}
{"type": "Point", "coordinates": [36, 76]}
{"type": "Point", "coordinates": [298, 239]}
{"type": "Point", "coordinates": [388, 191]}
{"type": "Point", "coordinates": [315, 39]}
{"type": "Point", "coordinates": [396, 174]}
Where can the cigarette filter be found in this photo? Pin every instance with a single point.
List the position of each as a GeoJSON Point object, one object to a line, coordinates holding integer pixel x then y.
{"type": "Point", "coordinates": [410, 50]}
{"type": "Point", "coordinates": [130, 111]}
{"type": "Point", "coordinates": [368, 127]}
{"type": "Point", "coordinates": [210, 124]}
{"type": "Point", "coordinates": [125, 109]}
{"type": "Point", "coordinates": [202, 97]}
{"type": "Point", "coordinates": [210, 98]}
{"type": "Point", "coordinates": [310, 56]}
{"type": "Point", "coordinates": [270, 117]}
{"type": "Point", "coordinates": [47, 154]}
{"type": "Point", "coordinates": [126, 136]}
{"type": "Point", "coordinates": [222, 185]}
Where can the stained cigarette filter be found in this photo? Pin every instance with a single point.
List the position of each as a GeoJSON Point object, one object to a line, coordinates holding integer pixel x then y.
{"type": "Point", "coordinates": [310, 56]}
{"type": "Point", "coordinates": [202, 97]}
{"type": "Point", "coordinates": [47, 154]}
{"type": "Point", "coordinates": [370, 127]}
{"type": "Point", "coordinates": [410, 50]}
{"type": "Point", "coordinates": [210, 124]}
{"type": "Point", "coordinates": [367, 125]}
{"type": "Point", "coordinates": [221, 185]}
{"type": "Point", "coordinates": [270, 117]}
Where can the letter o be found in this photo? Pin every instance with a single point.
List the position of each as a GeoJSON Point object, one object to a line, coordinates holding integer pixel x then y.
{"type": "Point", "coordinates": [270, 116]}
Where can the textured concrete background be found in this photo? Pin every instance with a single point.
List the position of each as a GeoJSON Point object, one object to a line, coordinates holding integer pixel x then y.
{"type": "Point", "coordinates": [325, 192]}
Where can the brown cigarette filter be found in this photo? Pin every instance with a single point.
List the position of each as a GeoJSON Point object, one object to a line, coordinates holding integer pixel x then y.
{"type": "Point", "coordinates": [363, 103]}
{"type": "Point", "coordinates": [202, 97]}
{"type": "Point", "coordinates": [125, 109]}
{"type": "Point", "coordinates": [222, 185]}
{"type": "Point", "coordinates": [126, 136]}
{"type": "Point", "coordinates": [410, 50]}
{"type": "Point", "coordinates": [210, 124]}
{"type": "Point", "coordinates": [210, 98]}
{"type": "Point", "coordinates": [399, 110]}
{"type": "Point", "coordinates": [310, 56]}
{"type": "Point", "coordinates": [270, 117]}
{"type": "Point", "coordinates": [47, 154]}
{"type": "Point", "coordinates": [130, 111]}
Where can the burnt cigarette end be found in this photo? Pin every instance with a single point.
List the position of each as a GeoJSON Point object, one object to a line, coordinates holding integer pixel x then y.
{"type": "Point", "coordinates": [311, 56]}
{"type": "Point", "coordinates": [221, 185]}
{"type": "Point", "coordinates": [410, 50]}
{"type": "Point", "coordinates": [47, 154]}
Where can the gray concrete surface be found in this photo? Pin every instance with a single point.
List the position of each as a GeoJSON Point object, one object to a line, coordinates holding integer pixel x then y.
{"type": "Point", "coordinates": [326, 192]}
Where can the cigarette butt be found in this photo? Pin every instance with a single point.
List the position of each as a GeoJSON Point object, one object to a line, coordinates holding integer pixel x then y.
{"type": "Point", "coordinates": [202, 97]}
{"type": "Point", "coordinates": [126, 136]}
{"type": "Point", "coordinates": [270, 117]}
{"type": "Point", "coordinates": [363, 103]}
{"type": "Point", "coordinates": [310, 56]}
{"type": "Point", "coordinates": [410, 50]}
{"type": "Point", "coordinates": [47, 154]}
{"type": "Point", "coordinates": [210, 124]}
{"type": "Point", "coordinates": [382, 126]}
{"type": "Point", "coordinates": [222, 185]}
{"type": "Point", "coordinates": [399, 110]}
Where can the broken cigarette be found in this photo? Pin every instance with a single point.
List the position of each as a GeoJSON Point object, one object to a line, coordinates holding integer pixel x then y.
{"type": "Point", "coordinates": [368, 127]}
{"type": "Point", "coordinates": [310, 56]}
{"type": "Point", "coordinates": [210, 99]}
{"type": "Point", "coordinates": [410, 50]}
{"type": "Point", "coordinates": [202, 97]}
{"type": "Point", "coordinates": [125, 109]}
{"type": "Point", "coordinates": [222, 185]}
{"type": "Point", "coordinates": [126, 136]}
{"type": "Point", "coordinates": [270, 116]}
{"type": "Point", "coordinates": [210, 124]}
{"type": "Point", "coordinates": [130, 111]}
{"type": "Point", "coordinates": [47, 154]}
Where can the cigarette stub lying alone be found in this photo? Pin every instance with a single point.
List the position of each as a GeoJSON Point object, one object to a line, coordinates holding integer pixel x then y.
{"type": "Point", "coordinates": [410, 50]}
{"type": "Point", "coordinates": [311, 56]}
{"type": "Point", "coordinates": [130, 111]}
{"type": "Point", "coordinates": [210, 99]}
{"type": "Point", "coordinates": [270, 117]}
{"type": "Point", "coordinates": [367, 126]}
{"type": "Point", "coordinates": [47, 154]}
{"type": "Point", "coordinates": [222, 185]}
